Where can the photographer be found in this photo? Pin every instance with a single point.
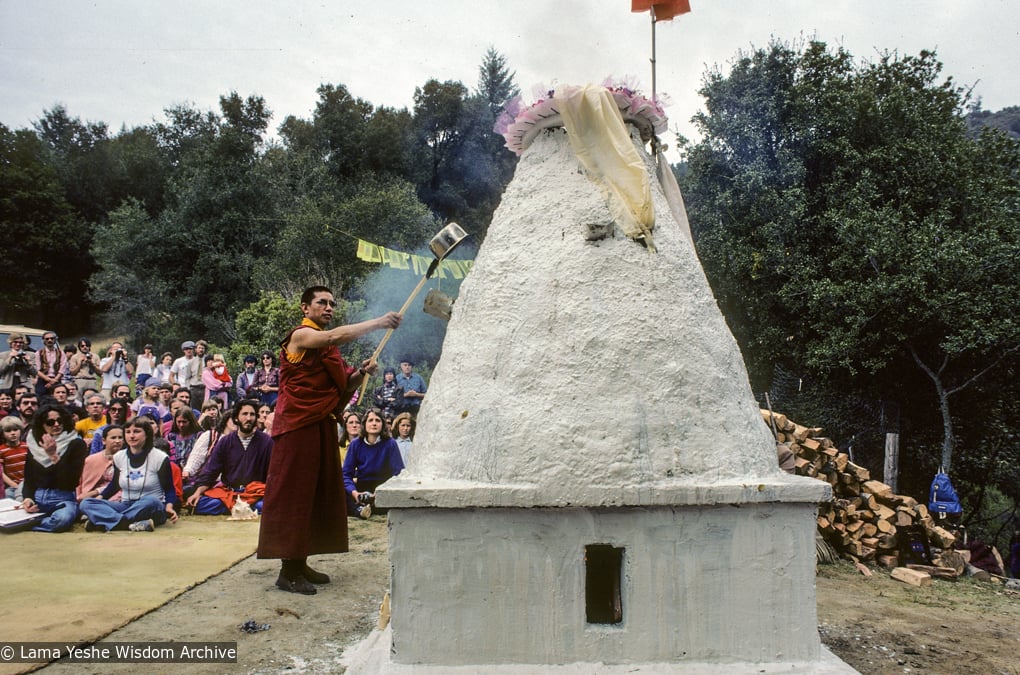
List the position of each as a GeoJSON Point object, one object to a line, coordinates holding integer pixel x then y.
{"type": "Point", "coordinates": [84, 366]}
{"type": "Point", "coordinates": [115, 368]}
{"type": "Point", "coordinates": [17, 367]}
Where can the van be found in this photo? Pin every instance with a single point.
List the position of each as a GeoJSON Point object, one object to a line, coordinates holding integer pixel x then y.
{"type": "Point", "coordinates": [33, 335]}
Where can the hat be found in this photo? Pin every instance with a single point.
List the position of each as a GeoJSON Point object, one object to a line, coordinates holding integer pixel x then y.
{"type": "Point", "coordinates": [187, 344]}
{"type": "Point", "coordinates": [150, 383]}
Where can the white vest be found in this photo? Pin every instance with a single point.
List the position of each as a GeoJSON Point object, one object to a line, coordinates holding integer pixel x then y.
{"type": "Point", "coordinates": [143, 481]}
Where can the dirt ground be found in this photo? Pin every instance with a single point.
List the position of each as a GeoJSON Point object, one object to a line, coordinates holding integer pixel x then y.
{"type": "Point", "coordinates": [875, 624]}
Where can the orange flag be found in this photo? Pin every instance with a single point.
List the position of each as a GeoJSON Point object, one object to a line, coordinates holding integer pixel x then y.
{"type": "Point", "coordinates": [664, 9]}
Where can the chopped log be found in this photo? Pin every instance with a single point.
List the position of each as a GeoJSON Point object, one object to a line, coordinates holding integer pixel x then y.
{"type": "Point", "coordinates": [854, 526]}
{"type": "Point", "coordinates": [869, 502]}
{"type": "Point", "coordinates": [810, 444]}
{"type": "Point", "coordinates": [903, 519]}
{"type": "Point", "coordinates": [878, 488]}
{"type": "Point", "coordinates": [912, 577]}
{"type": "Point", "coordinates": [800, 465]}
{"type": "Point", "coordinates": [842, 459]}
{"type": "Point", "coordinates": [801, 433]}
{"type": "Point", "coordinates": [859, 472]}
{"type": "Point", "coordinates": [909, 502]}
{"type": "Point", "coordinates": [863, 569]}
{"type": "Point", "coordinates": [942, 537]}
{"type": "Point", "coordinates": [869, 530]}
{"type": "Point", "coordinates": [824, 524]}
{"type": "Point", "coordinates": [888, 542]}
{"type": "Point", "coordinates": [954, 559]}
{"type": "Point", "coordinates": [888, 560]}
{"type": "Point", "coordinates": [885, 527]}
{"type": "Point", "coordinates": [978, 573]}
{"type": "Point", "coordinates": [922, 511]}
{"type": "Point", "coordinates": [936, 572]}
{"type": "Point", "coordinates": [885, 513]}
{"type": "Point", "coordinates": [867, 553]}
{"type": "Point", "coordinates": [870, 542]}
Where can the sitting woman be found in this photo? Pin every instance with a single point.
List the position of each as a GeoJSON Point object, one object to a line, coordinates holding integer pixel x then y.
{"type": "Point", "coordinates": [183, 435]}
{"type": "Point", "coordinates": [53, 468]}
{"type": "Point", "coordinates": [372, 459]}
{"type": "Point", "coordinates": [143, 476]}
{"type": "Point", "coordinates": [98, 470]}
{"type": "Point", "coordinates": [352, 429]}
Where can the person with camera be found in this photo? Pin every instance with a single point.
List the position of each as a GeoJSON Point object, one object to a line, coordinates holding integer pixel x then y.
{"type": "Point", "coordinates": [17, 367]}
{"type": "Point", "coordinates": [84, 366]}
{"type": "Point", "coordinates": [50, 363]}
{"type": "Point", "coordinates": [115, 368]}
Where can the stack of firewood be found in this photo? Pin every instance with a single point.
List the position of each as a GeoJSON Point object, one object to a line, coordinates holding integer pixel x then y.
{"type": "Point", "coordinates": [863, 519]}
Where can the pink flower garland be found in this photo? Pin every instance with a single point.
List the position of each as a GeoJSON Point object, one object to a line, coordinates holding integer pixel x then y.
{"type": "Point", "coordinates": [519, 124]}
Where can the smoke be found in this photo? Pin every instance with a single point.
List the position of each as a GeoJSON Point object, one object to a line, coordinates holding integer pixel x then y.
{"type": "Point", "coordinates": [420, 336]}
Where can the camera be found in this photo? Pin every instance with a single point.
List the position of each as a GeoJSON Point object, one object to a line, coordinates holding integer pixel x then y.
{"type": "Point", "coordinates": [365, 497]}
{"type": "Point", "coordinates": [121, 354]}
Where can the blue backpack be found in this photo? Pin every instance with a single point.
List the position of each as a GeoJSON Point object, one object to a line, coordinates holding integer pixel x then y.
{"type": "Point", "coordinates": [942, 498]}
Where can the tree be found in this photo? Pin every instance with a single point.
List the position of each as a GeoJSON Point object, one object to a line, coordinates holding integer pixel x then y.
{"type": "Point", "coordinates": [438, 108]}
{"type": "Point", "coordinates": [318, 241]}
{"type": "Point", "coordinates": [850, 225]}
{"type": "Point", "coordinates": [45, 252]}
{"type": "Point", "coordinates": [496, 83]}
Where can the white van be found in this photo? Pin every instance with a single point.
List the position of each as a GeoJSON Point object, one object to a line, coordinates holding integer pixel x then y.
{"type": "Point", "coordinates": [34, 336]}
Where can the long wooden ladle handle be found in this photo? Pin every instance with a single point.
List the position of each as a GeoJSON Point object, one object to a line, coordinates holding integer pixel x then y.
{"type": "Point", "coordinates": [389, 333]}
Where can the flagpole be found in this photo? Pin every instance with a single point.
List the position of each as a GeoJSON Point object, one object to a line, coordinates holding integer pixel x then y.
{"type": "Point", "coordinates": [652, 14]}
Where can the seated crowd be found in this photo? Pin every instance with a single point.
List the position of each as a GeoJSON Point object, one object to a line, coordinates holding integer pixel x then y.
{"type": "Point", "coordinates": [79, 443]}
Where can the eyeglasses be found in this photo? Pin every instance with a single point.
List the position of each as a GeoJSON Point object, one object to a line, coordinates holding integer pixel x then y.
{"type": "Point", "coordinates": [49, 339]}
{"type": "Point", "coordinates": [52, 421]}
{"type": "Point", "coordinates": [324, 303]}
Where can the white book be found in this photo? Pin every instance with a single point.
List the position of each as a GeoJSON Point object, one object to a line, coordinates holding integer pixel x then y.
{"type": "Point", "coordinates": [12, 515]}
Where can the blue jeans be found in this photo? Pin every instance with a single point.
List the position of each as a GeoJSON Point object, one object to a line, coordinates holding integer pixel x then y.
{"type": "Point", "coordinates": [60, 507]}
{"type": "Point", "coordinates": [108, 515]}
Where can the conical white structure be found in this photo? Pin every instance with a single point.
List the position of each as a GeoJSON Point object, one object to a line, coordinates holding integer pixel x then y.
{"type": "Point", "coordinates": [576, 359]}
{"type": "Point", "coordinates": [592, 488]}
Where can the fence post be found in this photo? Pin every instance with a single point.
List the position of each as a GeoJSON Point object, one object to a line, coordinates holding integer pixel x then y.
{"type": "Point", "coordinates": [891, 468]}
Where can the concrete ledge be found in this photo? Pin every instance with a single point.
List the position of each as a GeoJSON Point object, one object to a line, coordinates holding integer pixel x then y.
{"type": "Point", "coordinates": [410, 492]}
{"type": "Point", "coordinates": [372, 656]}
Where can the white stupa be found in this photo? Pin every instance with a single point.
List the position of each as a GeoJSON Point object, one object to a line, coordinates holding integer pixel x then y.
{"type": "Point", "coordinates": [592, 488]}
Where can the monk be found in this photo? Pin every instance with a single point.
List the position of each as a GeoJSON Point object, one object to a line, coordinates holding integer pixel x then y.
{"type": "Point", "coordinates": [305, 511]}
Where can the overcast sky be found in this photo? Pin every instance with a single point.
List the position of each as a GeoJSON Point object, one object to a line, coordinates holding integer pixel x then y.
{"type": "Point", "coordinates": [124, 61]}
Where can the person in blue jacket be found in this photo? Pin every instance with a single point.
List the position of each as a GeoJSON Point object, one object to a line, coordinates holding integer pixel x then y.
{"type": "Point", "coordinates": [372, 459]}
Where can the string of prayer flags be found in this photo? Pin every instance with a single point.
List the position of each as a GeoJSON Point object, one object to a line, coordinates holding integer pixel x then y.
{"type": "Point", "coordinates": [374, 253]}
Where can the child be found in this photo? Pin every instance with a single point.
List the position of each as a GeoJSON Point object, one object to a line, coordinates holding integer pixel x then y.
{"type": "Point", "coordinates": [12, 456]}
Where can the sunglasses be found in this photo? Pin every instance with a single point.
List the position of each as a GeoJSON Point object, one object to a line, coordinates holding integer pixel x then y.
{"type": "Point", "coordinates": [52, 421]}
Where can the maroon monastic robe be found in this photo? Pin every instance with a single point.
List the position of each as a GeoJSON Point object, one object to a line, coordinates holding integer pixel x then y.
{"type": "Point", "coordinates": [304, 509]}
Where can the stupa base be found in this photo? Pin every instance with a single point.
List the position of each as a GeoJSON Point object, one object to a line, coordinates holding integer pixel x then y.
{"type": "Point", "coordinates": [372, 656]}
